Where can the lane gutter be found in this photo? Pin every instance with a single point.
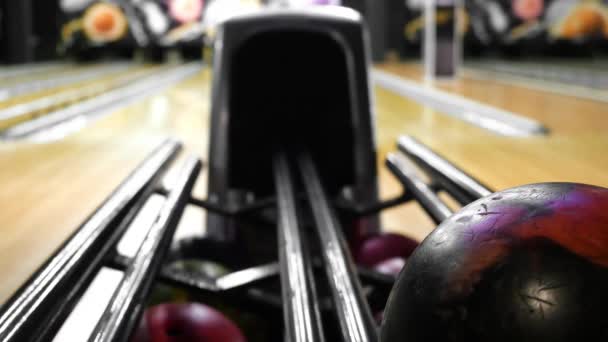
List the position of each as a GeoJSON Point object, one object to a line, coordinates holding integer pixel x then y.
{"type": "Point", "coordinates": [494, 119]}
{"type": "Point", "coordinates": [30, 87]}
{"type": "Point", "coordinates": [20, 70]}
{"type": "Point", "coordinates": [61, 122]}
{"type": "Point", "coordinates": [573, 89]}
{"type": "Point", "coordinates": [31, 108]}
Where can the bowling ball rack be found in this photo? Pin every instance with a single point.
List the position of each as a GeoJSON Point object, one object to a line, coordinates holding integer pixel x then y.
{"type": "Point", "coordinates": [313, 283]}
{"type": "Point", "coordinates": [290, 197]}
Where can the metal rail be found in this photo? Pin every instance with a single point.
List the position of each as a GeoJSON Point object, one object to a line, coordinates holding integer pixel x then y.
{"type": "Point", "coordinates": [351, 307]}
{"type": "Point", "coordinates": [240, 210]}
{"type": "Point", "coordinates": [348, 207]}
{"type": "Point", "coordinates": [412, 183]}
{"type": "Point", "coordinates": [302, 320]}
{"type": "Point", "coordinates": [464, 188]}
{"type": "Point", "coordinates": [125, 307]}
{"type": "Point", "coordinates": [55, 287]}
{"type": "Point", "coordinates": [29, 69]}
{"type": "Point", "coordinates": [232, 281]}
{"type": "Point", "coordinates": [96, 106]}
{"type": "Point", "coordinates": [60, 81]}
{"type": "Point", "coordinates": [38, 106]}
{"type": "Point", "coordinates": [493, 119]}
{"type": "Point", "coordinates": [239, 287]}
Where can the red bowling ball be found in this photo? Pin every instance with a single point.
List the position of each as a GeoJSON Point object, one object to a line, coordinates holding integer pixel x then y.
{"type": "Point", "coordinates": [187, 322]}
{"type": "Point", "coordinates": [527, 264]}
{"type": "Point", "coordinates": [379, 248]}
{"type": "Point", "coordinates": [390, 266]}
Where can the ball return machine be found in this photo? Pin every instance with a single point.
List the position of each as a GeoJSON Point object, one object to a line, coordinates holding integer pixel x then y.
{"type": "Point", "coordinates": [292, 189]}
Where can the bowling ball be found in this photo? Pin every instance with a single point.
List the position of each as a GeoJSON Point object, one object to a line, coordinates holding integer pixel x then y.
{"type": "Point", "coordinates": [104, 22]}
{"type": "Point", "coordinates": [380, 247]}
{"type": "Point", "coordinates": [525, 264]}
{"type": "Point", "coordinates": [390, 266]}
{"type": "Point", "coordinates": [186, 322]}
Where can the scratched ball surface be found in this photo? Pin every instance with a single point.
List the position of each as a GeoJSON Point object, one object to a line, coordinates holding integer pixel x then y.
{"type": "Point", "coordinates": [525, 264]}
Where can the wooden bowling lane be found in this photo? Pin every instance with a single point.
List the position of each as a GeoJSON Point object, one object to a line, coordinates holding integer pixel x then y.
{"type": "Point", "coordinates": [585, 74]}
{"type": "Point", "coordinates": [26, 71]}
{"type": "Point", "coordinates": [561, 114]}
{"type": "Point", "coordinates": [8, 98]}
{"type": "Point", "coordinates": [25, 108]}
{"type": "Point", "coordinates": [48, 190]}
{"type": "Point", "coordinates": [65, 69]}
{"type": "Point", "coordinates": [574, 150]}
{"type": "Point", "coordinates": [70, 78]}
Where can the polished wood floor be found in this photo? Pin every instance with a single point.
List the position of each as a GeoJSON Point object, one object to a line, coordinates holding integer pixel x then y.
{"type": "Point", "coordinates": [68, 94]}
{"type": "Point", "coordinates": [574, 151]}
{"type": "Point", "coordinates": [48, 189]}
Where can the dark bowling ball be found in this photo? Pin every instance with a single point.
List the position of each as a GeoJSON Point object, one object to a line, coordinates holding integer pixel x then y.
{"type": "Point", "coordinates": [525, 264]}
{"type": "Point", "coordinates": [381, 247]}
{"type": "Point", "coordinates": [186, 322]}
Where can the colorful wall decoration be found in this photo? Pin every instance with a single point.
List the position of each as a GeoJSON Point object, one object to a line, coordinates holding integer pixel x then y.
{"type": "Point", "coordinates": [516, 26]}
{"type": "Point", "coordinates": [132, 23]}
{"type": "Point", "coordinates": [533, 26]}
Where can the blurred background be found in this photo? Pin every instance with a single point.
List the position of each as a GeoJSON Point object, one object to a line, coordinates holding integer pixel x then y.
{"type": "Point", "coordinates": [499, 29]}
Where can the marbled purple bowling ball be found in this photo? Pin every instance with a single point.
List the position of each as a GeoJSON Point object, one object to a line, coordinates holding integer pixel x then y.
{"type": "Point", "coordinates": [524, 264]}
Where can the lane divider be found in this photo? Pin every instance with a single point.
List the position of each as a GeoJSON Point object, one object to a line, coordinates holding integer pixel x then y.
{"type": "Point", "coordinates": [28, 69]}
{"type": "Point", "coordinates": [591, 76]}
{"type": "Point", "coordinates": [12, 115]}
{"type": "Point", "coordinates": [567, 89]}
{"type": "Point", "coordinates": [57, 123]}
{"type": "Point", "coordinates": [30, 87]}
{"type": "Point", "coordinates": [496, 120]}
